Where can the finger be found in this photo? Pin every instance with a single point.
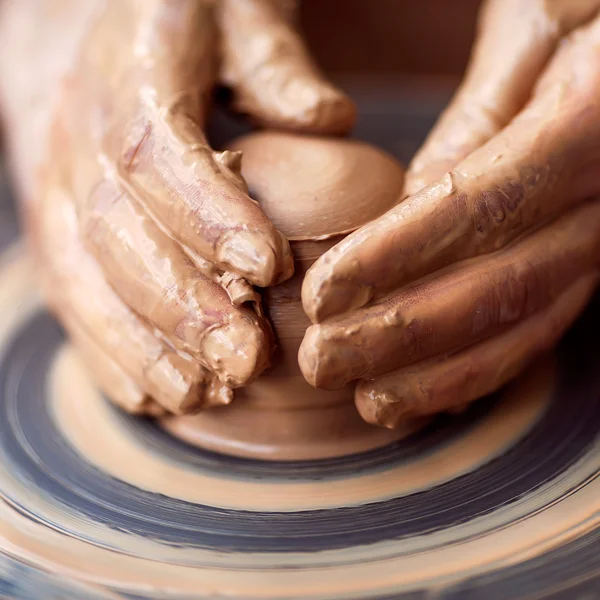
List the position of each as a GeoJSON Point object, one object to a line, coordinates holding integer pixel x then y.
{"type": "Point", "coordinates": [164, 157]}
{"type": "Point", "coordinates": [515, 42]}
{"type": "Point", "coordinates": [159, 282]}
{"type": "Point", "coordinates": [271, 73]}
{"type": "Point", "coordinates": [195, 393]}
{"type": "Point", "coordinates": [540, 165]}
{"type": "Point", "coordinates": [79, 294]}
{"type": "Point", "coordinates": [456, 309]}
{"type": "Point", "coordinates": [107, 375]}
{"type": "Point", "coordinates": [112, 381]}
{"type": "Point", "coordinates": [171, 168]}
{"type": "Point", "coordinates": [452, 381]}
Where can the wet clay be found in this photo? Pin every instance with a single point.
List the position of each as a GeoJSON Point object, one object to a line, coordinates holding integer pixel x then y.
{"type": "Point", "coordinates": [314, 190]}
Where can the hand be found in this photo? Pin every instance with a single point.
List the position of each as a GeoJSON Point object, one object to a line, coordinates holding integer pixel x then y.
{"type": "Point", "coordinates": [145, 237]}
{"type": "Point", "coordinates": [496, 251]}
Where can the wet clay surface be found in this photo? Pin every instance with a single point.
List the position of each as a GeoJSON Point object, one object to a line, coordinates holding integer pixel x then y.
{"type": "Point", "coordinates": [315, 190]}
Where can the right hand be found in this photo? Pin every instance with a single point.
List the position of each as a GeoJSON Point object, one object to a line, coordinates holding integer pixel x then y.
{"type": "Point", "coordinates": [496, 251]}
{"type": "Point", "coordinates": [146, 238]}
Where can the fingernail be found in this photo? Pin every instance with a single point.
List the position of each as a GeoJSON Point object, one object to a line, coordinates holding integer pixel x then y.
{"type": "Point", "coordinates": [236, 352]}
{"type": "Point", "coordinates": [251, 255]}
{"type": "Point", "coordinates": [329, 359]}
{"type": "Point", "coordinates": [231, 159]}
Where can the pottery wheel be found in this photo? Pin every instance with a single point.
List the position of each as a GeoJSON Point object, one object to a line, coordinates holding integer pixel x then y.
{"type": "Point", "coordinates": [502, 501]}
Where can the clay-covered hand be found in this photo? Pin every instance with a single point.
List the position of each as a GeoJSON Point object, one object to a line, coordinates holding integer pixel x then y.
{"type": "Point", "coordinates": [496, 251]}
{"type": "Point", "coordinates": [147, 238]}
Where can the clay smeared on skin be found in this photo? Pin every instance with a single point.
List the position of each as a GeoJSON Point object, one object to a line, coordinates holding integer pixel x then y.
{"type": "Point", "coordinates": [434, 385]}
{"type": "Point", "coordinates": [499, 79]}
{"type": "Point", "coordinates": [175, 382]}
{"type": "Point", "coordinates": [113, 122]}
{"type": "Point", "coordinates": [315, 190]}
{"type": "Point", "coordinates": [489, 239]}
{"type": "Point", "coordinates": [433, 315]}
{"type": "Point", "coordinates": [273, 77]}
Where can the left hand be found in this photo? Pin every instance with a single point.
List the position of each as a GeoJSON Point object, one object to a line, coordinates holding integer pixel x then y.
{"type": "Point", "coordinates": [452, 292]}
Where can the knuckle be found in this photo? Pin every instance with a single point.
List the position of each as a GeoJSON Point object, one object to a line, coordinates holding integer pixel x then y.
{"type": "Point", "coordinates": [416, 334]}
{"type": "Point", "coordinates": [511, 295]}
{"type": "Point", "coordinates": [491, 207]}
{"type": "Point", "coordinates": [500, 205]}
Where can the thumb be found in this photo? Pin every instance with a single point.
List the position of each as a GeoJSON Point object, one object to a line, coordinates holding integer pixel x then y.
{"type": "Point", "coordinates": [515, 41]}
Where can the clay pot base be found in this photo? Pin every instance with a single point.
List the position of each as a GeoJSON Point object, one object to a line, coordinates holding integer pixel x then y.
{"type": "Point", "coordinates": [502, 501]}
{"type": "Point", "coordinates": [292, 435]}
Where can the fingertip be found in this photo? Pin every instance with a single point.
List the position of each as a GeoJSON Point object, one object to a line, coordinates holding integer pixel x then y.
{"type": "Point", "coordinates": [366, 405]}
{"type": "Point", "coordinates": [263, 258]}
{"type": "Point", "coordinates": [174, 382]}
{"type": "Point", "coordinates": [338, 114]}
{"type": "Point", "coordinates": [326, 362]}
{"type": "Point", "coordinates": [206, 392]}
{"type": "Point", "coordinates": [237, 352]}
{"type": "Point", "coordinates": [309, 357]}
{"type": "Point", "coordinates": [317, 301]}
{"type": "Point", "coordinates": [272, 74]}
{"type": "Point", "coordinates": [309, 295]}
{"type": "Point", "coordinates": [388, 402]}
{"type": "Point", "coordinates": [318, 107]}
{"type": "Point", "coordinates": [325, 296]}
{"type": "Point", "coordinates": [376, 408]}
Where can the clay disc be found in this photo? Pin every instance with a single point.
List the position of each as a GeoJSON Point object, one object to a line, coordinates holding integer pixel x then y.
{"type": "Point", "coordinates": [500, 502]}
